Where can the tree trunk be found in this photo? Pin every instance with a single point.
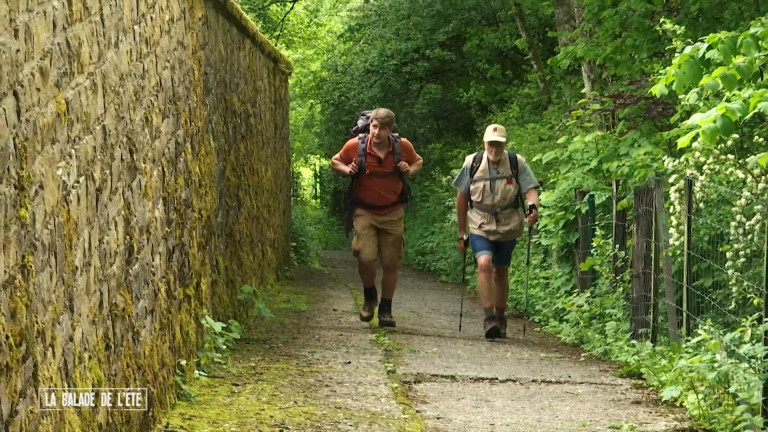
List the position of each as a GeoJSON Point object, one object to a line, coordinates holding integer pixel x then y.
{"type": "Point", "coordinates": [587, 68]}
{"type": "Point", "coordinates": [565, 21]}
{"type": "Point", "coordinates": [533, 47]}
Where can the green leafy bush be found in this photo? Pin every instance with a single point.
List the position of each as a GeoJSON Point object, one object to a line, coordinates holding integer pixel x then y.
{"type": "Point", "coordinates": [254, 297]}
{"type": "Point", "coordinates": [312, 230]}
{"type": "Point", "coordinates": [218, 338]}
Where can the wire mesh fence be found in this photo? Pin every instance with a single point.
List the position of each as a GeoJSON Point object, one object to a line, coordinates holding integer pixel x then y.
{"type": "Point", "coordinates": [713, 237]}
{"type": "Point", "coordinates": [696, 259]}
{"type": "Point", "coordinates": [723, 255]}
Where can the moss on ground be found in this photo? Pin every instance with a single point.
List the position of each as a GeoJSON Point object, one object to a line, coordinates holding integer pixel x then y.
{"type": "Point", "coordinates": [265, 386]}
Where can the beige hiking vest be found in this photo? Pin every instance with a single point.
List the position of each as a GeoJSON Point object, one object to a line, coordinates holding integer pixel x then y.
{"type": "Point", "coordinates": [495, 215]}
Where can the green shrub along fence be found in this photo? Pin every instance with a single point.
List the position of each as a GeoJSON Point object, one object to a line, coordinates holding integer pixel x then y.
{"type": "Point", "coordinates": [697, 266]}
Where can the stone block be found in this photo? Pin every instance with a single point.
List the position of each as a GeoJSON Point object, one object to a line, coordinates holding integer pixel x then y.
{"type": "Point", "coordinates": [18, 7]}
{"type": "Point", "coordinates": [112, 27]}
{"type": "Point", "coordinates": [75, 12]}
{"type": "Point", "coordinates": [44, 172]}
{"type": "Point", "coordinates": [32, 95]}
{"type": "Point", "coordinates": [39, 31]}
{"type": "Point", "coordinates": [177, 10]}
{"type": "Point", "coordinates": [62, 66]}
{"type": "Point", "coordinates": [9, 123]}
{"type": "Point", "coordinates": [7, 215]}
{"type": "Point", "coordinates": [91, 8]}
{"type": "Point", "coordinates": [9, 64]}
{"type": "Point", "coordinates": [5, 11]}
{"type": "Point", "coordinates": [78, 52]}
{"type": "Point", "coordinates": [60, 18]}
{"type": "Point", "coordinates": [129, 14]}
{"type": "Point", "coordinates": [142, 8]}
{"type": "Point", "coordinates": [43, 129]}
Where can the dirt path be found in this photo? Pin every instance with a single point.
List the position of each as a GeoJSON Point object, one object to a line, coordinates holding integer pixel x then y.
{"type": "Point", "coordinates": [315, 366]}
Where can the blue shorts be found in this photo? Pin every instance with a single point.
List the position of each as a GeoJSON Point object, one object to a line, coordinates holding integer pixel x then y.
{"type": "Point", "coordinates": [500, 250]}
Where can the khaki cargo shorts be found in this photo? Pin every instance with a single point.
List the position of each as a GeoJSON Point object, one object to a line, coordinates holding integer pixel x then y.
{"type": "Point", "coordinates": [379, 237]}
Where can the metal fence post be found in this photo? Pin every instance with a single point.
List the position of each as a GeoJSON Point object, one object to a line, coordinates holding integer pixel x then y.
{"type": "Point", "coordinates": [687, 277]}
{"type": "Point", "coordinates": [591, 235]}
{"type": "Point", "coordinates": [582, 245]}
{"type": "Point", "coordinates": [764, 408]}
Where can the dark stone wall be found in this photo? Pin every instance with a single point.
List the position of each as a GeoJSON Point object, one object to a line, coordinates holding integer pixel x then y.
{"type": "Point", "coordinates": [135, 193]}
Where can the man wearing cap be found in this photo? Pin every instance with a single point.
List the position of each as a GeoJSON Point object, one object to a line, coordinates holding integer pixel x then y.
{"type": "Point", "coordinates": [488, 203]}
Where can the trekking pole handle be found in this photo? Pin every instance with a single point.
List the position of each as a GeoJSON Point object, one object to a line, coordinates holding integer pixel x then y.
{"type": "Point", "coordinates": [465, 242]}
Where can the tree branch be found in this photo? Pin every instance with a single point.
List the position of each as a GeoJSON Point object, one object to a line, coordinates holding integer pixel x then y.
{"type": "Point", "coordinates": [533, 47]}
{"type": "Point", "coordinates": [282, 21]}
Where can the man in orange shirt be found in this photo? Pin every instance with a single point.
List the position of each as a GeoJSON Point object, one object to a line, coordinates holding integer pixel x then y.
{"type": "Point", "coordinates": [379, 214]}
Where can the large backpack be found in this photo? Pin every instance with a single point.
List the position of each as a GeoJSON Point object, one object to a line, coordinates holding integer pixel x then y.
{"type": "Point", "coordinates": [363, 124]}
{"type": "Point", "coordinates": [361, 129]}
{"type": "Point", "coordinates": [477, 159]}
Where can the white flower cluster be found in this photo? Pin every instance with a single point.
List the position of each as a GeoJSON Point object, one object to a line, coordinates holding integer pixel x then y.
{"type": "Point", "coordinates": [746, 236]}
{"type": "Point", "coordinates": [715, 173]}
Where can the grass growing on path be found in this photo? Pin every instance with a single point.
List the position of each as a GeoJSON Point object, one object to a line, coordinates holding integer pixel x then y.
{"type": "Point", "coordinates": [391, 358]}
{"type": "Point", "coordinates": [269, 384]}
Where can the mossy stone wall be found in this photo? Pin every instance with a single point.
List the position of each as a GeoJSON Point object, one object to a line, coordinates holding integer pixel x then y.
{"type": "Point", "coordinates": [144, 177]}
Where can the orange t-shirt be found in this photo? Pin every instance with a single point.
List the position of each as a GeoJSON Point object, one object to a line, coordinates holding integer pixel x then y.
{"type": "Point", "coordinates": [379, 190]}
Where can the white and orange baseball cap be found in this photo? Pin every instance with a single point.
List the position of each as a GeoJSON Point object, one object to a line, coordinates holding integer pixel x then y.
{"type": "Point", "coordinates": [495, 132]}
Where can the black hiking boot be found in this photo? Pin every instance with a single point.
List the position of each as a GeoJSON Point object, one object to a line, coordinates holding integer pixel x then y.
{"type": "Point", "coordinates": [368, 307]}
{"type": "Point", "coordinates": [386, 320]}
{"type": "Point", "coordinates": [502, 326]}
{"type": "Point", "coordinates": [491, 326]}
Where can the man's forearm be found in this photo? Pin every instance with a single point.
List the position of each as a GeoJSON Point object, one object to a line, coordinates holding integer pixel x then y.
{"type": "Point", "coordinates": [462, 205]}
{"type": "Point", "coordinates": [339, 167]}
{"type": "Point", "coordinates": [532, 197]}
{"type": "Point", "coordinates": [416, 167]}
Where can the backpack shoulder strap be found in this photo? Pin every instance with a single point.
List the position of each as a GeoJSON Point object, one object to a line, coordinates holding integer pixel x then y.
{"type": "Point", "coordinates": [362, 151]}
{"type": "Point", "coordinates": [513, 163]}
{"type": "Point", "coordinates": [476, 161]}
{"type": "Point", "coordinates": [515, 171]}
{"type": "Point", "coordinates": [397, 146]}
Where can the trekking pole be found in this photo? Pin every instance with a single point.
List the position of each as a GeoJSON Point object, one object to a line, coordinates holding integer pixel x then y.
{"type": "Point", "coordinates": [527, 271]}
{"type": "Point", "coordinates": [463, 288]}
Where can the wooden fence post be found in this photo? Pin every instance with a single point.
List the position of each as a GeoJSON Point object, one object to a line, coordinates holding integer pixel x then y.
{"type": "Point", "coordinates": [656, 253]}
{"type": "Point", "coordinates": [619, 232]}
{"type": "Point", "coordinates": [641, 262]}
